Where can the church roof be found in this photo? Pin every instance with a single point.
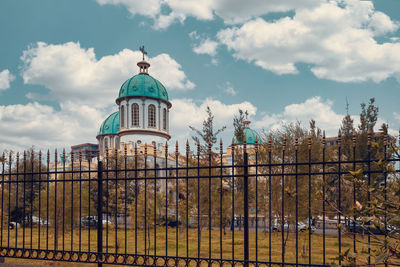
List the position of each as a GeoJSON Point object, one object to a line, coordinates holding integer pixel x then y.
{"type": "Point", "coordinates": [250, 135]}
{"type": "Point", "coordinates": [143, 85]}
{"type": "Point", "coordinates": [110, 125]}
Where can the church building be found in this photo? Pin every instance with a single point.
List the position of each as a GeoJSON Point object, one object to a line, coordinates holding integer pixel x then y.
{"type": "Point", "coordinates": [142, 116]}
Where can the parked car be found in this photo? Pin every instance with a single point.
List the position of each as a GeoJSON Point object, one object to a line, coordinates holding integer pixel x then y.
{"type": "Point", "coordinates": [91, 221]}
{"type": "Point", "coordinates": [13, 225]}
{"type": "Point", "coordinates": [366, 228]}
{"type": "Point", "coordinates": [301, 226]}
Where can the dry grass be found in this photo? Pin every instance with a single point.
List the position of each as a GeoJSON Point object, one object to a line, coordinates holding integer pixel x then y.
{"type": "Point", "coordinates": [116, 243]}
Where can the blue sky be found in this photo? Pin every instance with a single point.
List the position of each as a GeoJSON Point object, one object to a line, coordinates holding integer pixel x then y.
{"type": "Point", "coordinates": [62, 63]}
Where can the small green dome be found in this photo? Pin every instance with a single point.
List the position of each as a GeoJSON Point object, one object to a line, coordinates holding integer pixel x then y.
{"type": "Point", "coordinates": [143, 85]}
{"type": "Point", "coordinates": [110, 125]}
{"type": "Point", "coordinates": [250, 135]}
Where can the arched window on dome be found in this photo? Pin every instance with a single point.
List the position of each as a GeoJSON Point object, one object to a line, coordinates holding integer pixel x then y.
{"type": "Point", "coordinates": [135, 114]}
{"type": "Point", "coordinates": [122, 117]}
{"type": "Point", "coordinates": [152, 116]}
{"type": "Point", "coordinates": [164, 119]}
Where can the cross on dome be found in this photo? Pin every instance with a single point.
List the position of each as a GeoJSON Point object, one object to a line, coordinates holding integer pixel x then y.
{"type": "Point", "coordinates": [144, 52]}
{"type": "Point", "coordinates": [143, 65]}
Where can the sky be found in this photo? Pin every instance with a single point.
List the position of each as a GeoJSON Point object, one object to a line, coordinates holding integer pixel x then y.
{"type": "Point", "coordinates": [62, 63]}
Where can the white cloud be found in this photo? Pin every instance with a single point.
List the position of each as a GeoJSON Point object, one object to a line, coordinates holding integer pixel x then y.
{"type": "Point", "coordinates": [228, 88]}
{"type": "Point", "coordinates": [72, 73]}
{"type": "Point", "coordinates": [336, 38]}
{"type": "Point", "coordinates": [46, 128]}
{"type": "Point", "coordinates": [5, 79]}
{"type": "Point", "coordinates": [187, 112]}
{"type": "Point", "coordinates": [396, 116]}
{"type": "Point", "coordinates": [313, 108]}
{"type": "Point", "coordinates": [207, 46]}
{"type": "Point", "coordinates": [150, 8]}
{"type": "Point", "coordinates": [231, 11]}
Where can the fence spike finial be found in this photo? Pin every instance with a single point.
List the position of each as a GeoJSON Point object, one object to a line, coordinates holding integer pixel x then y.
{"type": "Point", "coordinates": [269, 144]}
{"type": "Point", "coordinates": [284, 143]}
{"type": "Point", "coordinates": [155, 149]}
{"type": "Point", "coordinates": [187, 148]}
{"type": "Point", "coordinates": [354, 139]}
{"type": "Point", "coordinates": [10, 157]}
{"type": "Point", "coordinates": [17, 157]}
{"type": "Point", "coordinates": [323, 139]}
{"type": "Point", "coordinates": [198, 147]}
{"type": "Point", "coordinates": [385, 138]}
{"type": "Point", "coordinates": [244, 144]}
{"type": "Point", "coordinates": [296, 142]}
{"type": "Point", "coordinates": [40, 158]}
{"type": "Point", "coordinates": [339, 138]}
{"type": "Point", "coordinates": [55, 156]}
{"type": "Point", "coordinates": [221, 150]}
{"type": "Point", "coordinates": [125, 150]}
{"type": "Point", "coordinates": [309, 141]}
{"type": "Point", "coordinates": [80, 156]}
{"type": "Point", "coordinates": [209, 147]}
{"type": "Point", "coordinates": [256, 143]}
{"type": "Point", "coordinates": [369, 136]}
{"type": "Point", "coordinates": [176, 149]}
{"type": "Point", "coordinates": [232, 147]}
{"type": "Point", "coordinates": [166, 149]}
{"type": "Point", "coordinates": [135, 149]}
{"type": "Point", "coordinates": [145, 150]}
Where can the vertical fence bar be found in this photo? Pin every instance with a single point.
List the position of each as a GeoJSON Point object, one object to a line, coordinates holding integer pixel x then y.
{"type": "Point", "coordinates": [323, 199]}
{"type": "Point", "coordinates": [354, 194]}
{"type": "Point", "coordinates": [89, 191]}
{"type": "Point", "coordinates": [39, 197]}
{"type": "Point", "coordinates": [116, 201]}
{"type": "Point", "coordinates": [369, 193]}
{"type": "Point", "coordinates": [100, 213]}
{"type": "Point", "coordinates": [2, 198]}
{"type": "Point", "coordinates": [256, 194]}
{"type": "Point", "coordinates": [176, 198]}
{"type": "Point", "coordinates": [31, 198]}
{"type": "Point", "coordinates": [17, 197]}
{"type": "Point", "coordinates": [220, 198]}
{"type": "Point", "coordinates": [155, 198]}
{"type": "Point", "coordinates": [187, 198]}
{"type": "Point", "coordinates": [209, 200]}
{"type": "Point", "coordinates": [309, 200]}
{"type": "Point", "coordinates": [385, 190]}
{"type": "Point", "coordinates": [246, 205]}
{"type": "Point", "coordinates": [55, 202]}
{"type": "Point", "coordinates": [9, 200]}
{"type": "Point", "coordinates": [269, 200]}
{"type": "Point", "coordinates": [283, 201]}
{"type": "Point", "coordinates": [233, 203]}
{"type": "Point", "coordinates": [126, 201]}
{"type": "Point", "coordinates": [296, 147]}
{"type": "Point", "coordinates": [339, 203]}
{"type": "Point", "coordinates": [24, 201]}
{"type": "Point", "coordinates": [72, 200]}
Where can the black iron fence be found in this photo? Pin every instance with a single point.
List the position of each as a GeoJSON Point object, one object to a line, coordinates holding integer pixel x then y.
{"type": "Point", "coordinates": [291, 202]}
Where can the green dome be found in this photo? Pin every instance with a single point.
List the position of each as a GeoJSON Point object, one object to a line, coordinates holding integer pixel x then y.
{"type": "Point", "coordinates": [250, 135]}
{"type": "Point", "coordinates": [110, 125]}
{"type": "Point", "coordinates": [143, 85]}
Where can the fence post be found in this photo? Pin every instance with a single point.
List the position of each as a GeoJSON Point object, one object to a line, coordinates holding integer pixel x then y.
{"type": "Point", "coordinates": [100, 214]}
{"type": "Point", "coordinates": [246, 209]}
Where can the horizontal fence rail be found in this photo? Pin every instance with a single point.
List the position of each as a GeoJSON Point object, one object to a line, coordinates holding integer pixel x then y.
{"type": "Point", "coordinates": [291, 202]}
